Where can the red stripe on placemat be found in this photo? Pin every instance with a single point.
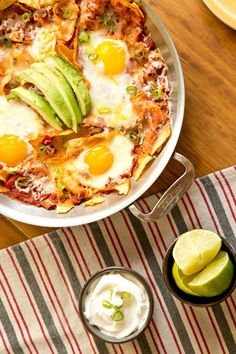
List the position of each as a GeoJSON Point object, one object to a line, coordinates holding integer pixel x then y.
{"type": "Point", "coordinates": [216, 331]}
{"type": "Point", "coordinates": [4, 342]}
{"type": "Point", "coordinates": [119, 241]}
{"type": "Point", "coordinates": [157, 228]}
{"type": "Point", "coordinates": [54, 292]}
{"type": "Point", "coordinates": [225, 194]}
{"type": "Point", "coordinates": [29, 298]}
{"type": "Point", "coordinates": [93, 247]}
{"type": "Point", "coordinates": [13, 311]}
{"type": "Point", "coordinates": [48, 293]}
{"type": "Point", "coordinates": [19, 311]}
{"type": "Point", "coordinates": [208, 206]}
{"type": "Point", "coordinates": [151, 281]}
{"type": "Point", "coordinates": [183, 306]}
{"type": "Point", "coordinates": [73, 251]}
{"type": "Point", "coordinates": [112, 241]}
{"type": "Point", "coordinates": [151, 229]}
{"type": "Point", "coordinates": [78, 248]}
{"type": "Point", "coordinates": [229, 187]}
{"type": "Point", "coordinates": [67, 286]}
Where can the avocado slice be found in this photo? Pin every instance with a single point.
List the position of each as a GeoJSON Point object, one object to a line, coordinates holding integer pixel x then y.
{"type": "Point", "coordinates": [38, 103]}
{"type": "Point", "coordinates": [76, 81]}
{"type": "Point", "coordinates": [51, 93]}
{"type": "Point", "coordinates": [65, 89]}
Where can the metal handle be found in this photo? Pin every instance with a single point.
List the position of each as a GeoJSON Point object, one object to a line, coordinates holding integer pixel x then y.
{"type": "Point", "coordinates": [173, 194]}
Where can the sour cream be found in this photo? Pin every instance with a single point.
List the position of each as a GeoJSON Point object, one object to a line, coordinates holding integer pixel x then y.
{"type": "Point", "coordinates": [117, 305]}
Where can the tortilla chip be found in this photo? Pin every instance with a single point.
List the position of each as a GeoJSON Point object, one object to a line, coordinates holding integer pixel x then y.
{"type": "Point", "coordinates": [141, 164]}
{"type": "Point", "coordinates": [66, 15]}
{"type": "Point", "coordinates": [58, 142]}
{"type": "Point", "coordinates": [128, 10]}
{"type": "Point", "coordinates": [64, 208]}
{"type": "Point", "coordinates": [67, 53]}
{"type": "Point", "coordinates": [3, 175]}
{"type": "Point", "coordinates": [38, 4]}
{"type": "Point", "coordinates": [123, 188]}
{"type": "Point", "coordinates": [6, 3]}
{"type": "Point", "coordinates": [3, 188]}
{"type": "Point", "coordinates": [94, 201]}
{"type": "Point", "coordinates": [3, 82]}
{"type": "Point", "coordinates": [75, 146]}
{"type": "Point", "coordinates": [163, 135]}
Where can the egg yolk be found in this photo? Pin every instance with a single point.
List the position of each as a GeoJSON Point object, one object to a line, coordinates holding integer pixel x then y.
{"type": "Point", "coordinates": [12, 150]}
{"type": "Point", "coordinates": [99, 159]}
{"type": "Point", "coordinates": [113, 57]}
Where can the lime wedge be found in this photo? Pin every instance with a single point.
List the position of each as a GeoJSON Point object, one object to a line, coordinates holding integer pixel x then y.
{"type": "Point", "coordinates": [195, 249]}
{"type": "Point", "coordinates": [215, 278]}
{"type": "Point", "coordinates": [182, 280]}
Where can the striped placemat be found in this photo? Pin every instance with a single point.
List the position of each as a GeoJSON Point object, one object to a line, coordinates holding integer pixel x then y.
{"type": "Point", "coordinates": [41, 279]}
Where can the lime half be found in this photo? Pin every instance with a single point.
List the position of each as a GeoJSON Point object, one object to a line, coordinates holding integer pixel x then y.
{"type": "Point", "coordinates": [195, 249]}
{"type": "Point", "coordinates": [181, 280]}
{"type": "Point", "coordinates": [215, 278]}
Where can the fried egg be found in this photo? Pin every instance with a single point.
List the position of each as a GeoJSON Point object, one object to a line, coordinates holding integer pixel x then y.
{"type": "Point", "coordinates": [18, 124]}
{"type": "Point", "coordinates": [100, 163]}
{"type": "Point", "coordinates": [105, 63]}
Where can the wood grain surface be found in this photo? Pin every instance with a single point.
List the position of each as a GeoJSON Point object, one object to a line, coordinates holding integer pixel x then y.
{"type": "Point", "coordinates": [207, 50]}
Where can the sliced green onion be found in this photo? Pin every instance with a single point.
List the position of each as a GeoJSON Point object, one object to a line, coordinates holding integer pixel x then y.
{"type": "Point", "coordinates": [26, 17]}
{"type": "Point", "coordinates": [93, 56]}
{"type": "Point", "coordinates": [125, 295]}
{"type": "Point", "coordinates": [6, 41]}
{"type": "Point", "coordinates": [111, 293]}
{"type": "Point", "coordinates": [108, 22]}
{"type": "Point", "coordinates": [116, 307]}
{"type": "Point", "coordinates": [131, 90]}
{"type": "Point", "coordinates": [118, 316]}
{"type": "Point", "coordinates": [14, 169]}
{"type": "Point", "coordinates": [133, 135]}
{"type": "Point", "coordinates": [156, 92]}
{"type": "Point", "coordinates": [84, 37]}
{"type": "Point", "coordinates": [107, 304]}
{"type": "Point", "coordinates": [22, 182]}
{"type": "Point", "coordinates": [66, 14]}
{"type": "Point", "coordinates": [43, 148]}
{"type": "Point", "coordinates": [60, 185]}
{"type": "Point", "coordinates": [139, 54]}
{"type": "Point", "coordinates": [104, 110]}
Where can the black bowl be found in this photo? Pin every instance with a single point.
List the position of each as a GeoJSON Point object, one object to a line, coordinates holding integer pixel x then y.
{"type": "Point", "coordinates": [94, 330]}
{"type": "Point", "coordinates": [195, 300]}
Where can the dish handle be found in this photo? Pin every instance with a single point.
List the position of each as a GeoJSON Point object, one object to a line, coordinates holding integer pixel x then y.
{"type": "Point", "coordinates": [171, 196]}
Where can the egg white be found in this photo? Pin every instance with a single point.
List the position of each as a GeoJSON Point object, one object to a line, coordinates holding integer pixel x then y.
{"type": "Point", "coordinates": [18, 119]}
{"type": "Point", "coordinates": [44, 41]}
{"type": "Point", "coordinates": [108, 90]}
{"type": "Point", "coordinates": [121, 148]}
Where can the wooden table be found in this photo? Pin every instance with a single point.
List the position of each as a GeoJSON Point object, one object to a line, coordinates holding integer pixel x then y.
{"type": "Point", "coordinates": [207, 50]}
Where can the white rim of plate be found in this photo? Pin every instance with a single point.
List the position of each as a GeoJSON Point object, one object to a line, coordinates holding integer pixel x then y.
{"type": "Point", "coordinates": [219, 10]}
